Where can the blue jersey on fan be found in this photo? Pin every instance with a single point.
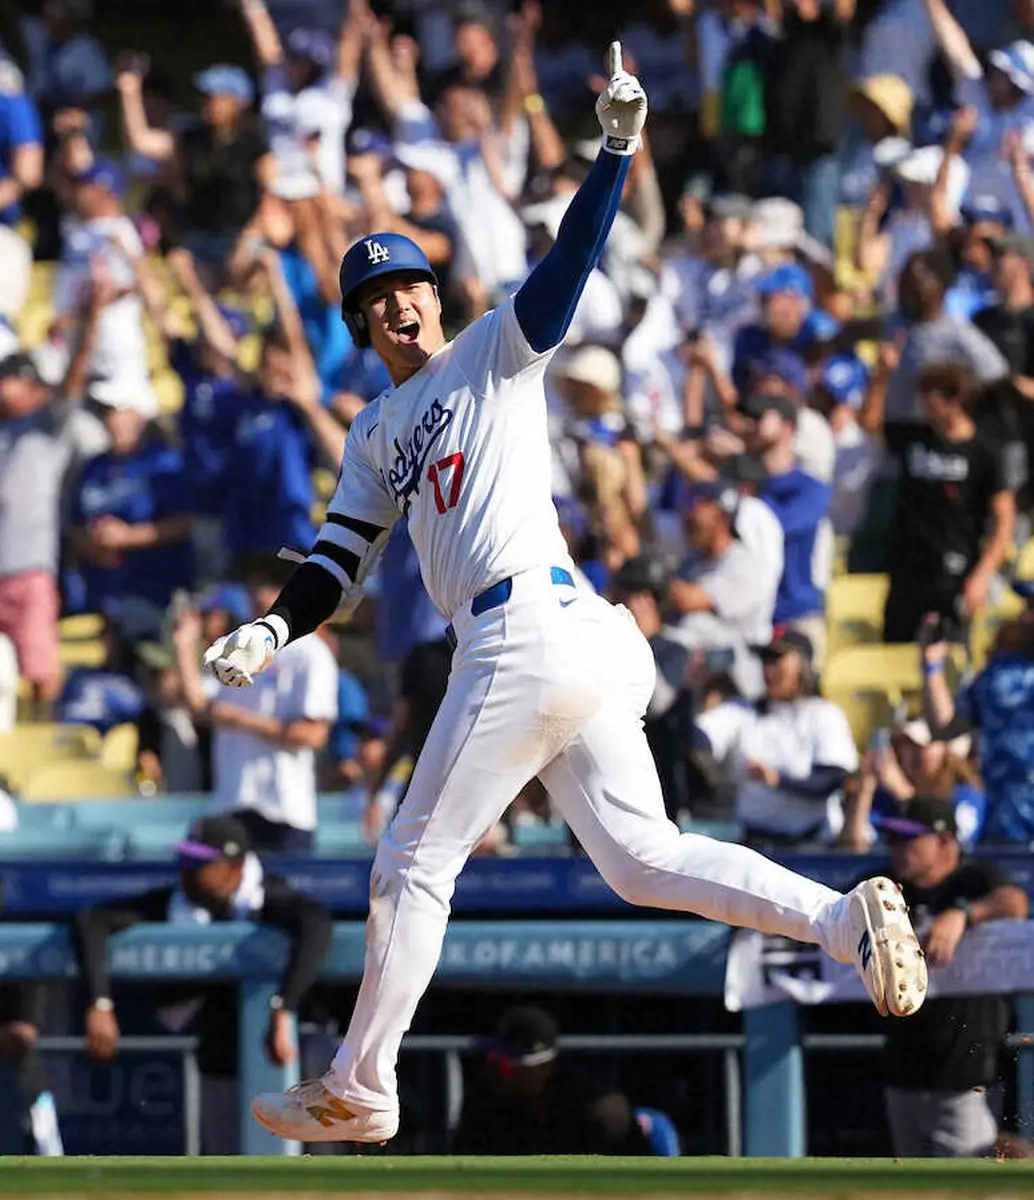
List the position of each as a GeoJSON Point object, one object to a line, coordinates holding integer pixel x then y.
{"type": "Point", "coordinates": [268, 499]}
{"type": "Point", "coordinates": [148, 485]}
{"type": "Point", "coordinates": [207, 426]}
{"type": "Point", "coordinates": [99, 697]}
{"type": "Point", "coordinates": [999, 703]}
{"type": "Point", "coordinates": [801, 503]}
{"type": "Point", "coordinates": [20, 125]}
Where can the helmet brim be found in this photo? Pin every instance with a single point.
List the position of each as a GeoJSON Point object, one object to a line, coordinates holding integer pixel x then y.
{"type": "Point", "coordinates": [350, 299]}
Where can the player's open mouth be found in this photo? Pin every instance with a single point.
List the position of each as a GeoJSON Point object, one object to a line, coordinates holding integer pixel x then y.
{"type": "Point", "coordinates": [408, 332]}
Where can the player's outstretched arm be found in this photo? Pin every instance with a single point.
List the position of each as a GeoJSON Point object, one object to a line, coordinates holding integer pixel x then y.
{"type": "Point", "coordinates": [546, 301]}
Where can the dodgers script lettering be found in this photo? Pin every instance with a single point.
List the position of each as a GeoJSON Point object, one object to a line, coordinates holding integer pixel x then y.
{"type": "Point", "coordinates": [408, 467]}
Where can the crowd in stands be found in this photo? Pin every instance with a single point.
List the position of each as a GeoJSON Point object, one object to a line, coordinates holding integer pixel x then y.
{"type": "Point", "coordinates": [806, 354]}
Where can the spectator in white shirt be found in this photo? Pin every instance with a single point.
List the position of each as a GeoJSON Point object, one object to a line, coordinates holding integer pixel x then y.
{"type": "Point", "coordinates": [265, 738]}
{"type": "Point", "coordinates": [789, 755]}
{"type": "Point", "coordinates": [1003, 98]}
{"type": "Point", "coordinates": [838, 395]}
{"type": "Point", "coordinates": [307, 89]}
{"type": "Point", "coordinates": [462, 147]}
{"type": "Point", "coordinates": [710, 290]}
{"type": "Point", "coordinates": [716, 587]}
{"type": "Point", "coordinates": [99, 237]}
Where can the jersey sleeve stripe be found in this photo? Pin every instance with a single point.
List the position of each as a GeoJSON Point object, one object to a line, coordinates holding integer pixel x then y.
{"type": "Point", "coordinates": [366, 529]}
{"type": "Point", "coordinates": [346, 561]}
{"type": "Point", "coordinates": [346, 539]}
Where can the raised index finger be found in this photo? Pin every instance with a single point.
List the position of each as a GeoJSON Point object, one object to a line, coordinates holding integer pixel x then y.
{"type": "Point", "coordinates": [614, 59]}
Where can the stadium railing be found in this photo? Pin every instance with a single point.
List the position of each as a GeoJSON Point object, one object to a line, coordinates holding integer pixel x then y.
{"type": "Point", "coordinates": [681, 957]}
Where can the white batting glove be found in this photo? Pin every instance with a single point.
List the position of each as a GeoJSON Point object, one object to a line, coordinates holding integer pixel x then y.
{"type": "Point", "coordinates": [621, 107]}
{"type": "Point", "coordinates": [235, 659]}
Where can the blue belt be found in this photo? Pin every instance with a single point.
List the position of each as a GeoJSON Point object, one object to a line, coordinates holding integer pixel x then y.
{"type": "Point", "coordinates": [500, 592]}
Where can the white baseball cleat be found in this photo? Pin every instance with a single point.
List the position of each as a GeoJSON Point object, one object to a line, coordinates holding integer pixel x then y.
{"type": "Point", "coordinates": [308, 1112]}
{"type": "Point", "coordinates": [886, 949]}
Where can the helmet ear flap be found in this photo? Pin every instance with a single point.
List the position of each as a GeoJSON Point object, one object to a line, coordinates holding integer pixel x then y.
{"type": "Point", "coordinates": [356, 324]}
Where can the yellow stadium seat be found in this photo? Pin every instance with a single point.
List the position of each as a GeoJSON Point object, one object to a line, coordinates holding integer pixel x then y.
{"type": "Point", "coordinates": [854, 610]}
{"type": "Point", "coordinates": [871, 682]}
{"type": "Point", "coordinates": [28, 748]}
{"type": "Point", "coordinates": [77, 781]}
{"type": "Point", "coordinates": [986, 623]}
{"type": "Point", "coordinates": [81, 627]}
{"type": "Point", "coordinates": [82, 654]}
{"type": "Point", "coordinates": [1025, 561]}
{"type": "Point", "coordinates": [168, 388]}
{"type": "Point", "coordinates": [119, 748]}
{"type": "Point", "coordinates": [865, 713]}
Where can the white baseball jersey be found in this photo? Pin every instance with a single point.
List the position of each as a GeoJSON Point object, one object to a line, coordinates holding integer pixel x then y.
{"type": "Point", "coordinates": [462, 450]}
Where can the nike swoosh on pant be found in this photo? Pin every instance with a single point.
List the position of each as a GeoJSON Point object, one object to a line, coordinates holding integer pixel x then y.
{"type": "Point", "coordinates": [567, 603]}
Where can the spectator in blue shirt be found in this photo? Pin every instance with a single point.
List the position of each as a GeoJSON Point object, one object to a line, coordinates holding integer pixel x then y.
{"type": "Point", "coordinates": [801, 503]}
{"type": "Point", "coordinates": [207, 421]}
{"type": "Point", "coordinates": [107, 695]}
{"type": "Point", "coordinates": [985, 220]}
{"type": "Point", "coordinates": [130, 516]}
{"type": "Point", "coordinates": [68, 67]}
{"type": "Point", "coordinates": [406, 617]}
{"type": "Point", "coordinates": [788, 319]}
{"type": "Point", "coordinates": [267, 505]}
{"type": "Point", "coordinates": [21, 143]}
{"type": "Point", "coordinates": [998, 705]}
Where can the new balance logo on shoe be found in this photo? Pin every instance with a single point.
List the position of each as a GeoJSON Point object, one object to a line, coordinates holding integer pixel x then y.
{"type": "Point", "coordinates": [865, 950]}
{"type": "Point", "coordinates": [327, 1114]}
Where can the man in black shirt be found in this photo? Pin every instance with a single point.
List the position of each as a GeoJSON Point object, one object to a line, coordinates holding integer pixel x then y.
{"type": "Point", "coordinates": [1010, 325]}
{"type": "Point", "coordinates": [220, 880]}
{"type": "Point", "coordinates": [954, 488]}
{"type": "Point", "coordinates": [805, 107]}
{"type": "Point", "coordinates": [936, 1071]}
{"type": "Point", "coordinates": [528, 1100]}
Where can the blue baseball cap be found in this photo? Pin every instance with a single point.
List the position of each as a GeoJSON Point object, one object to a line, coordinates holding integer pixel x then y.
{"type": "Point", "coordinates": [845, 377]}
{"type": "Point", "coordinates": [225, 79]}
{"type": "Point", "coordinates": [787, 277]}
{"type": "Point", "coordinates": [715, 491]}
{"type": "Point", "coordinates": [106, 174]}
{"type": "Point", "coordinates": [986, 207]}
{"type": "Point", "coordinates": [312, 44]}
{"type": "Point", "coordinates": [369, 141]}
{"type": "Point", "coordinates": [780, 363]}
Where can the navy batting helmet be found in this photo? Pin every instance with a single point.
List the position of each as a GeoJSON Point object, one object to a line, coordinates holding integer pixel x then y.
{"type": "Point", "coordinates": [378, 254]}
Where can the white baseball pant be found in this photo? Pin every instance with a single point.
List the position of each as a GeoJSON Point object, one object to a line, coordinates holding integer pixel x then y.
{"type": "Point", "coordinates": [552, 683]}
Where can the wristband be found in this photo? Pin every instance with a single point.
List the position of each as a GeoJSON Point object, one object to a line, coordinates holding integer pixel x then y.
{"type": "Point", "coordinates": [277, 626]}
{"type": "Point", "coordinates": [964, 907]}
{"type": "Point", "coordinates": [534, 104]}
{"type": "Point", "coordinates": [622, 146]}
{"type": "Point", "coordinates": [276, 1004]}
{"type": "Point", "coordinates": [934, 668]}
{"type": "Point", "coordinates": [104, 1004]}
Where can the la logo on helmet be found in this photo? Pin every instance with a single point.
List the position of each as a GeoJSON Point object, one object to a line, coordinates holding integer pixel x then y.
{"type": "Point", "coordinates": [376, 253]}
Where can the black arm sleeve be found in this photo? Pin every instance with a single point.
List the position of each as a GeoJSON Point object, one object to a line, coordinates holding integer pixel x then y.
{"type": "Point", "coordinates": [310, 928]}
{"type": "Point", "coordinates": [92, 927]}
{"type": "Point", "coordinates": [306, 600]}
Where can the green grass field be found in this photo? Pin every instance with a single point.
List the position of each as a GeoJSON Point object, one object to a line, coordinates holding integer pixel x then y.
{"type": "Point", "coordinates": [523, 1177]}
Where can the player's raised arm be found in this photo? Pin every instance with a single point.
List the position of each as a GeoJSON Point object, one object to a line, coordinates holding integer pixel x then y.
{"type": "Point", "coordinates": [546, 301]}
{"type": "Point", "coordinates": [359, 518]}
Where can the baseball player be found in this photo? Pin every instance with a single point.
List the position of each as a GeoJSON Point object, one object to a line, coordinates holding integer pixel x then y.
{"type": "Point", "coordinates": [547, 680]}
